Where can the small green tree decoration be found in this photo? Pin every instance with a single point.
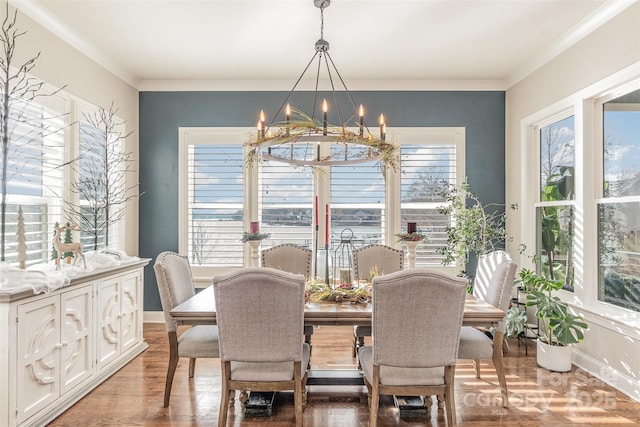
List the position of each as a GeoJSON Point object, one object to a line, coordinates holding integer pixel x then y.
{"type": "Point", "coordinates": [68, 238]}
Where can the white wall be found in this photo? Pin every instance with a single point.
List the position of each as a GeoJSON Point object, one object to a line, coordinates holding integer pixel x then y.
{"type": "Point", "coordinates": [60, 65]}
{"type": "Point", "coordinates": [612, 345]}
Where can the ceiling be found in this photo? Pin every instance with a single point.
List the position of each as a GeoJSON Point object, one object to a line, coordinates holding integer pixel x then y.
{"type": "Point", "coordinates": [256, 43]}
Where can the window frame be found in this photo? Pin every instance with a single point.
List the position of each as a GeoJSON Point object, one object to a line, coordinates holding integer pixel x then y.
{"type": "Point", "coordinates": [321, 186]}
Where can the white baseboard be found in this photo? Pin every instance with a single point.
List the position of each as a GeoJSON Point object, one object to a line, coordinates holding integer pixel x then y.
{"type": "Point", "coordinates": [153, 317]}
{"type": "Point", "coordinates": [608, 375]}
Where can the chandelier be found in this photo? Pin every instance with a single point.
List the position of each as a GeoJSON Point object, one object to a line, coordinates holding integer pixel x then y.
{"type": "Point", "coordinates": [301, 139]}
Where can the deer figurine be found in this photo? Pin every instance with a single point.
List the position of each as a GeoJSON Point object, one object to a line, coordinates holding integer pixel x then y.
{"type": "Point", "coordinates": [61, 248]}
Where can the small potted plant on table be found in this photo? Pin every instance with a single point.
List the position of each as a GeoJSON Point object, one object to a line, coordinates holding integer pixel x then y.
{"type": "Point", "coordinates": [559, 327]}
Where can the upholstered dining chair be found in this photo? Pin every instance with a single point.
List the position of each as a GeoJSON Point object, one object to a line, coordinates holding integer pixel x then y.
{"type": "Point", "coordinates": [382, 259]}
{"type": "Point", "coordinates": [416, 319]}
{"type": "Point", "coordinates": [294, 259]}
{"type": "Point", "coordinates": [493, 283]}
{"type": "Point", "coordinates": [175, 284]}
{"type": "Point", "coordinates": [260, 315]}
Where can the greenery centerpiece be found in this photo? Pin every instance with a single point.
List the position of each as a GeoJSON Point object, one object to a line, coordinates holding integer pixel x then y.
{"type": "Point", "coordinates": [410, 237]}
{"type": "Point", "coordinates": [321, 292]}
{"type": "Point", "coordinates": [248, 236]}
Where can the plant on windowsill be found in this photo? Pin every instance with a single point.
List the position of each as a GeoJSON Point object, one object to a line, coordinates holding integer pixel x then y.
{"type": "Point", "coordinates": [247, 236]}
{"type": "Point", "coordinates": [559, 327]}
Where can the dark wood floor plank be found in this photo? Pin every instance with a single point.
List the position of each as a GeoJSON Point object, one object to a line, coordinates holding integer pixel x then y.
{"type": "Point", "coordinates": [133, 396]}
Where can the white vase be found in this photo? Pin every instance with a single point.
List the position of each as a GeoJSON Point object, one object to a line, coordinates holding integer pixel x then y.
{"type": "Point", "coordinates": [554, 358]}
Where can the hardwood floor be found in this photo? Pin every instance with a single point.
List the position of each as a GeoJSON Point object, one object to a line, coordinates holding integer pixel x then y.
{"type": "Point", "coordinates": [133, 396]}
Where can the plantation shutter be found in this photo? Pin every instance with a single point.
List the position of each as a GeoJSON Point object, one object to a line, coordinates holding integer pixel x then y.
{"type": "Point", "coordinates": [357, 203]}
{"type": "Point", "coordinates": [427, 167]}
{"type": "Point", "coordinates": [215, 203]}
{"type": "Point", "coordinates": [285, 203]}
{"type": "Point", "coordinates": [34, 176]}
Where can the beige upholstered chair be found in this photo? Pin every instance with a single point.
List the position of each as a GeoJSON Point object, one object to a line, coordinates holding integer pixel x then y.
{"type": "Point", "coordinates": [294, 259]}
{"type": "Point", "coordinates": [385, 260]}
{"type": "Point", "coordinates": [260, 315]}
{"type": "Point", "coordinates": [417, 317]}
{"type": "Point", "coordinates": [288, 257]}
{"type": "Point", "coordinates": [175, 284]}
{"type": "Point", "coordinates": [493, 284]}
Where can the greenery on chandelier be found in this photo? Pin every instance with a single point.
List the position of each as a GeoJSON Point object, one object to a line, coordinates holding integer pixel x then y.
{"type": "Point", "coordinates": [302, 125]}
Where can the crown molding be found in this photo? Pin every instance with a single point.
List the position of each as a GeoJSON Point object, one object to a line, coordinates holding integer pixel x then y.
{"type": "Point", "coordinates": [599, 17]}
{"type": "Point", "coordinates": [70, 36]}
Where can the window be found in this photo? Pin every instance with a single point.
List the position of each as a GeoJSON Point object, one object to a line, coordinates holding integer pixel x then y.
{"type": "Point", "coordinates": [555, 208]}
{"type": "Point", "coordinates": [431, 161]}
{"type": "Point", "coordinates": [212, 196]}
{"type": "Point", "coordinates": [357, 204]}
{"type": "Point", "coordinates": [619, 210]}
{"type": "Point", "coordinates": [35, 153]}
{"type": "Point", "coordinates": [285, 194]}
{"type": "Point", "coordinates": [220, 196]}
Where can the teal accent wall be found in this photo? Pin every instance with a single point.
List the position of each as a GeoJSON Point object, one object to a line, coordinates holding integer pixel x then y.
{"type": "Point", "coordinates": [482, 114]}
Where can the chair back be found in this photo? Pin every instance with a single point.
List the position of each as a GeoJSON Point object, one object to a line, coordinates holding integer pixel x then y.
{"type": "Point", "coordinates": [288, 257]}
{"type": "Point", "coordinates": [260, 315]}
{"type": "Point", "coordinates": [175, 283]}
{"type": "Point", "coordinates": [384, 258]}
{"type": "Point", "coordinates": [493, 282]}
{"type": "Point", "coordinates": [417, 317]}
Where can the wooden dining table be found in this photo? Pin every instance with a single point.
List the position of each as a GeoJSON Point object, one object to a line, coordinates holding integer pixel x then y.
{"type": "Point", "coordinates": [201, 310]}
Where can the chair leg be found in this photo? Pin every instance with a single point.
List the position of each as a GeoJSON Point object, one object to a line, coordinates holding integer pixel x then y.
{"type": "Point", "coordinates": [354, 347]}
{"type": "Point", "coordinates": [224, 396]}
{"type": "Point", "coordinates": [297, 393]}
{"type": "Point", "coordinates": [375, 397]}
{"type": "Point", "coordinates": [497, 362]}
{"type": "Point", "coordinates": [171, 368]}
{"type": "Point", "coordinates": [476, 364]}
{"type": "Point", "coordinates": [449, 401]}
{"type": "Point", "coordinates": [192, 367]}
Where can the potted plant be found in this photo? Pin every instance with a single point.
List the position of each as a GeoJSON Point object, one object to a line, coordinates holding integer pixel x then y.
{"type": "Point", "coordinates": [559, 327]}
{"type": "Point", "coordinates": [516, 322]}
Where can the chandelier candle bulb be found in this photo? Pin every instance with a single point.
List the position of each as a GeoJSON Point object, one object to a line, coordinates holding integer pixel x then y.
{"type": "Point", "coordinates": [259, 131]}
{"type": "Point", "coordinates": [382, 126]}
{"type": "Point", "coordinates": [325, 108]}
{"type": "Point", "coordinates": [361, 114]}
{"type": "Point", "coordinates": [262, 123]}
{"type": "Point", "coordinates": [288, 118]}
{"type": "Point", "coordinates": [383, 136]}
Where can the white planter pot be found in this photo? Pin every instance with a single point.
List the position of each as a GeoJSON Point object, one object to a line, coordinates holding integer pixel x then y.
{"type": "Point", "coordinates": [554, 357]}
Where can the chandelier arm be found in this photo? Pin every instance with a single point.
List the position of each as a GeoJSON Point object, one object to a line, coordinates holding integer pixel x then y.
{"type": "Point", "coordinates": [355, 108]}
{"type": "Point", "coordinates": [333, 91]}
{"type": "Point", "coordinates": [315, 93]}
{"type": "Point", "coordinates": [292, 89]}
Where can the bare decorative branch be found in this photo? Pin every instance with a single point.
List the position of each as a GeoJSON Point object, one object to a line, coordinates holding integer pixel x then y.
{"type": "Point", "coordinates": [101, 185]}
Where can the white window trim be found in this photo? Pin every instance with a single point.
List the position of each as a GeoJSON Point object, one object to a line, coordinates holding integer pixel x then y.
{"type": "Point", "coordinates": [588, 190]}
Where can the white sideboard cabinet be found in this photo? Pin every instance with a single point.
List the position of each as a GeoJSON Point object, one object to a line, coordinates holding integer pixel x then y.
{"type": "Point", "coordinates": [57, 347]}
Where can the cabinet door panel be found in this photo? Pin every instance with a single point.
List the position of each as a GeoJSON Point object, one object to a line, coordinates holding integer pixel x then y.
{"type": "Point", "coordinates": [77, 342]}
{"type": "Point", "coordinates": [131, 291]}
{"type": "Point", "coordinates": [38, 355]}
{"type": "Point", "coordinates": [108, 320]}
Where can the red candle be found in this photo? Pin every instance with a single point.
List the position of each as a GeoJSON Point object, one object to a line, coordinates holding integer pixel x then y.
{"type": "Point", "coordinates": [326, 227]}
{"type": "Point", "coordinates": [411, 227]}
{"type": "Point", "coordinates": [316, 210]}
{"type": "Point", "coordinates": [254, 227]}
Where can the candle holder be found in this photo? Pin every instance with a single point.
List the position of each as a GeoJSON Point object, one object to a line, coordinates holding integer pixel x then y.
{"type": "Point", "coordinates": [411, 251]}
{"type": "Point", "coordinates": [255, 252]}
